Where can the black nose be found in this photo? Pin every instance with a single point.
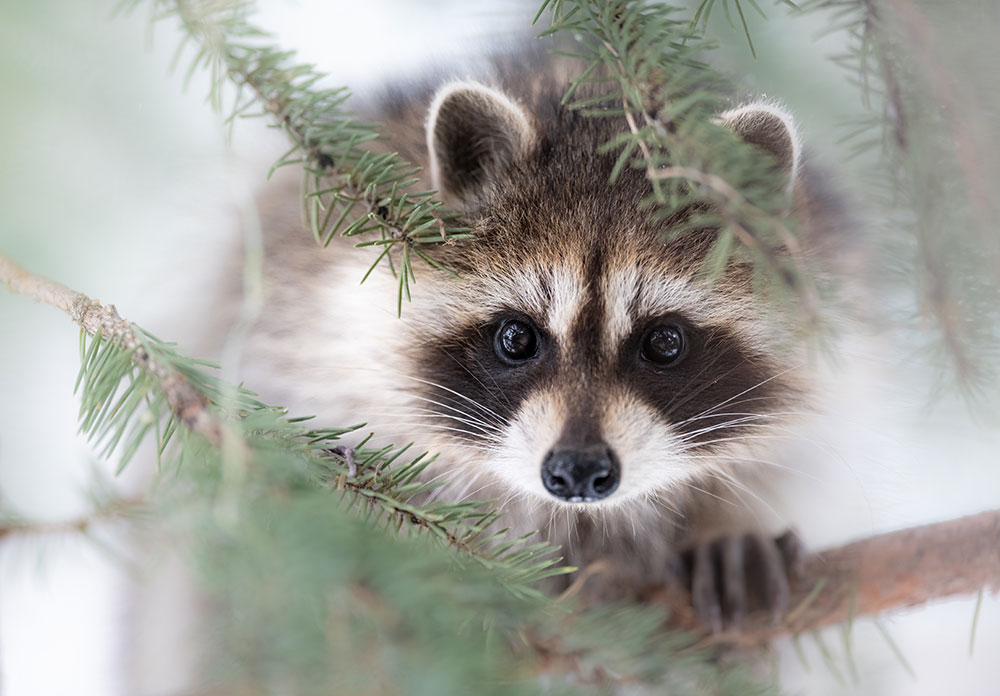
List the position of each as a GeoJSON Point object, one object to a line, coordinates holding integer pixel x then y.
{"type": "Point", "coordinates": [580, 475]}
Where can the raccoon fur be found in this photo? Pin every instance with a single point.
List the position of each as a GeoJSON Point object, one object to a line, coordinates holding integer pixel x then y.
{"type": "Point", "coordinates": [578, 368]}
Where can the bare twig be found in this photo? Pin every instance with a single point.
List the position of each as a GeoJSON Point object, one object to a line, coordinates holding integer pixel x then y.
{"type": "Point", "coordinates": [114, 509]}
{"type": "Point", "coordinates": [187, 403]}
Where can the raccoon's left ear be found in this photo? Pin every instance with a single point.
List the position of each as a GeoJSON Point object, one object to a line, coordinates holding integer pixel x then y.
{"type": "Point", "coordinates": [474, 132]}
{"type": "Point", "coordinates": [769, 128]}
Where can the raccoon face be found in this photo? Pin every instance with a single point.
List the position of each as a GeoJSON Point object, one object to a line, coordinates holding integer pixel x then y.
{"type": "Point", "coordinates": [579, 358]}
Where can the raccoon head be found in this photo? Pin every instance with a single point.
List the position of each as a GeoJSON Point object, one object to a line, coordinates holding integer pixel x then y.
{"type": "Point", "coordinates": [580, 358]}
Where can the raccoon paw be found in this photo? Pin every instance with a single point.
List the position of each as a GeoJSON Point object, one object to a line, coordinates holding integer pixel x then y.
{"type": "Point", "coordinates": [731, 575]}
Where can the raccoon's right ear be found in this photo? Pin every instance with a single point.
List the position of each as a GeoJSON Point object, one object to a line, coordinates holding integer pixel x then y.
{"type": "Point", "coordinates": [770, 128]}
{"type": "Point", "coordinates": [474, 132]}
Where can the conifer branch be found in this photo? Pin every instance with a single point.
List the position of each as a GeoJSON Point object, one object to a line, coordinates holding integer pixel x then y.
{"type": "Point", "coordinates": [350, 190]}
{"type": "Point", "coordinates": [932, 174]}
{"type": "Point", "coordinates": [369, 475]}
{"type": "Point", "coordinates": [188, 404]}
{"type": "Point", "coordinates": [939, 296]}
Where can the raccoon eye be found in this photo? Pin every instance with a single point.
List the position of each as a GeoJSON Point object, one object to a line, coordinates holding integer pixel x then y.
{"type": "Point", "coordinates": [664, 345]}
{"type": "Point", "coordinates": [516, 341]}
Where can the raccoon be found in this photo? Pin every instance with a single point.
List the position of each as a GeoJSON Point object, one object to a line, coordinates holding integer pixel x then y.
{"type": "Point", "coordinates": [577, 367]}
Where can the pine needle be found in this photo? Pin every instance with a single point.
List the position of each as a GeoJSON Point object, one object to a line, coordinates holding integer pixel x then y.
{"type": "Point", "coordinates": [895, 648]}
{"type": "Point", "coordinates": [975, 622]}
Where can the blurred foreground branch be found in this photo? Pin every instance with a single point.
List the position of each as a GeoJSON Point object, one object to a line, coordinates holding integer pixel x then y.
{"type": "Point", "coordinates": [111, 510]}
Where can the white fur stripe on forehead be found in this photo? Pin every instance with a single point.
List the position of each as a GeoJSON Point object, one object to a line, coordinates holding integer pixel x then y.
{"type": "Point", "coordinates": [631, 294]}
{"type": "Point", "coordinates": [553, 295]}
{"type": "Point", "coordinates": [550, 295]}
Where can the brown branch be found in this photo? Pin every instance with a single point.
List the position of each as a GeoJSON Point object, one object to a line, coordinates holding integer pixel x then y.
{"type": "Point", "coordinates": [869, 577]}
{"type": "Point", "coordinates": [187, 403]}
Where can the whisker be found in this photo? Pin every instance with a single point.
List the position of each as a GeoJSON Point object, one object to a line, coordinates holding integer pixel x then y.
{"type": "Point", "coordinates": [690, 396]}
{"type": "Point", "coordinates": [448, 353]}
{"type": "Point", "coordinates": [691, 485]}
{"type": "Point", "coordinates": [735, 486]}
{"type": "Point", "coordinates": [472, 493]}
{"type": "Point", "coordinates": [484, 418]}
{"type": "Point", "coordinates": [791, 435]}
{"type": "Point", "coordinates": [466, 444]}
{"type": "Point", "coordinates": [438, 426]}
{"type": "Point", "coordinates": [486, 429]}
{"type": "Point", "coordinates": [485, 409]}
{"type": "Point", "coordinates": [733, 438]}
{"type": "Point", "coordinates": [658, 500]}
{"type": "Point", "coordinates": [745, 421]}
{"type": "Point", "coordinates": [752, 460]}
{"type": "Point", "coordinates": [768, 414]}
{"type": "Point", "coordinates": [472, 401]}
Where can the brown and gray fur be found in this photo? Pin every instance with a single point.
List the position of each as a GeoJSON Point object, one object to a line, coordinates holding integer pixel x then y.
{"type": "Point", "coordinates": [557, 245]}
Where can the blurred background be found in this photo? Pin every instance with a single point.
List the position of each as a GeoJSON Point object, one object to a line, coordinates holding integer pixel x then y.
{"type": "Point", "coordinates": [120, 181]}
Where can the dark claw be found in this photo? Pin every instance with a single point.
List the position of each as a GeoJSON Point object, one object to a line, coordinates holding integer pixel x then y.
{"type": "Point", "coordinates": [704, 595]}
{"type": "Point", "coordinates": [774, 577]}
{"type": "Point", "coordinates": [734, 579]}
{"type": "Point", "coordinates": [732, 575]}
{"type": "Point", "coordinates": [793, 551]}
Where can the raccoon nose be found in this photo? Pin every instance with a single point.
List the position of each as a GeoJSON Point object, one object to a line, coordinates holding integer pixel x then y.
{"type": "Point", "coordinates": [580, 475]}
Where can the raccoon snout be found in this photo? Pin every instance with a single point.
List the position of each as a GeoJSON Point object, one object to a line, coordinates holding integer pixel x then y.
{"type": "Point", "coordinates": [581, 475]}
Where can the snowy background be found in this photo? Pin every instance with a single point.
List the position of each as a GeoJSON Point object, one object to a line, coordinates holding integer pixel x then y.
{"type": "Point", "coordinates": [111, 173]}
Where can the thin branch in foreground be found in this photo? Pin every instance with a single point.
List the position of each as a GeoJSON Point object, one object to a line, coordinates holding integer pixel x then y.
{"type": "Point", "coordinates": [188, 404]}
{"type": "Point", "coordinates": [110, 511]}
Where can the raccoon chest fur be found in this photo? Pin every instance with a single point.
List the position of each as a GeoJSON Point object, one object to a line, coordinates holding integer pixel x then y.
{"type": "Point", "coordinates": [578, 368]}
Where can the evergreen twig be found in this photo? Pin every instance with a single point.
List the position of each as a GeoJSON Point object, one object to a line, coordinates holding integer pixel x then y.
{"type": "Point", "coordinates": [932, 176]}
{"type": "Point", "coordinates": [350, 190]}
{"type": "Point", "coordinates": [194, 400]}
{"type": "Point", "coordinates": [12, 525]}
{"type": "Point", "coordinates": [188, 404]}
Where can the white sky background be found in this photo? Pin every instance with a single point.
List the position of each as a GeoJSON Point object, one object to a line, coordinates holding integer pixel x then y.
{"type": "Point", "coordinates": [110, 174]}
